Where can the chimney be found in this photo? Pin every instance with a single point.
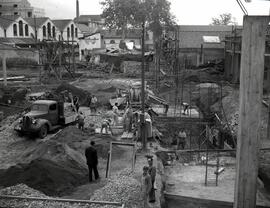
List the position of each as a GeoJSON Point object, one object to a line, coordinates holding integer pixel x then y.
{"type": "Point", "coordinates": [77, 8]}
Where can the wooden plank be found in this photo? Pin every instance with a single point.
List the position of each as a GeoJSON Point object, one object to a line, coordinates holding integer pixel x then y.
{"type": "Point", "coordinates": [60, 200]}
{"type": "Point", "coordinates": [251, 89]}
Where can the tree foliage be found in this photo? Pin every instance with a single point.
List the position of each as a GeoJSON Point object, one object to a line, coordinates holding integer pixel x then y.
{"type": "Point", "coordinates": [223, 19]}
{"type": "Point", "coordinates": [122, 14]}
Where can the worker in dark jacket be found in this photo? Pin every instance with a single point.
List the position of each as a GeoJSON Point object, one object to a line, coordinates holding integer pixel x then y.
{"type": "Point", "coordinates": [92, 161]}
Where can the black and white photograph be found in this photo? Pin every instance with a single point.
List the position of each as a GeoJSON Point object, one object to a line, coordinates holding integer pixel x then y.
{"type": "Point", "coordinates": [134, 103]}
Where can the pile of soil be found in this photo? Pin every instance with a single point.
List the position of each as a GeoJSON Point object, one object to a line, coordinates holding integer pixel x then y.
{"type": "Point", "coordinates": [25, 191]}
{"type": "Point", "coordinates": [80, 93]}
{"type": "Point", "coordinates": [58, 165]}
{"type": "Point", "coordinates": [51, 167]}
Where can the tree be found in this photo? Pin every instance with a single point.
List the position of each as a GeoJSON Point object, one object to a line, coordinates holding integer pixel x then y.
{"type": "Point", "coordinates": [223, 19]}
{"type": "Point", "coordinates": [123, 14]}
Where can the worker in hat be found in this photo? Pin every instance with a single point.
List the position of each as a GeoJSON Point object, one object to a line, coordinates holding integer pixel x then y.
{"type": "Point", "coordinates": [152, 173]}
{"type": "Point", "coordinates": [146, 186]}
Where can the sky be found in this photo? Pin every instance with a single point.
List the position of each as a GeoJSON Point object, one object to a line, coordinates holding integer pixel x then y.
{"type": "Point", "coordinates": [187, 12]}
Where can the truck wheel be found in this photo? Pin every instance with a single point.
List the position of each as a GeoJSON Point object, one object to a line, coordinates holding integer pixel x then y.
{"type": "Point", "coordinates": [43, 132]}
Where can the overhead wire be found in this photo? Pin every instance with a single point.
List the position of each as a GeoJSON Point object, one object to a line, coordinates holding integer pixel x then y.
{"type": "Point", "coordinates": [242, 7]}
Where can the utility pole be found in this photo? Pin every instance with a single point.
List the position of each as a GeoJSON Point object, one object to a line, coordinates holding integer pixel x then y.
{"type": "Point", "coordinates": [35, 22]}
{"type": "Point", "coordinates": [251, 91]}
{"type": "Point", "coordinates": [4, 65]}
{"type": "Point", "coordinates": [142, 119]}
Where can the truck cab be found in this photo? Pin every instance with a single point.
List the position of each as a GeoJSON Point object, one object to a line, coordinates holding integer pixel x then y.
{"type": "Point", "coordinates": [43, 117]}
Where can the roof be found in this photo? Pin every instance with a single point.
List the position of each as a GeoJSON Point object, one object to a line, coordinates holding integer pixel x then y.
{"type": "Point", "coordinates": [205, 28]}
{"type": "Point", "coordinates": [132, 33]}
{"type": "Point", "coordinates": [38, 22]}
{"type": "Point", "coordinates": [88, 18]}
{"type": "Point", "coordinates": [61, 24]}
{"type": "Point", "coordinates": [85, 29]}
{"type": "Point", "coordinates": [6, 21]}
{"type": "Point", "coordinates": [191, 36]}
{"type": "Point", "coordinates": [17, 41]}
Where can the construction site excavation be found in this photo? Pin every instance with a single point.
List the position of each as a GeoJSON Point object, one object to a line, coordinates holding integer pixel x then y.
{"type": "Point", "coordinates": [130, 109]}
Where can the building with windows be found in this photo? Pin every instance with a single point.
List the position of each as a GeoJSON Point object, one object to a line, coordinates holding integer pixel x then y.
{"type": "Point", "coordinates": [68, 30]}
{"type": "Point", "coordinates": [20, 7]}
{"type": "Point", "coordinates": [92, 21]}
{"type": "Point", "coordinates": [15, 27]}
{"type": "Point", "coordinates": [45, 28]}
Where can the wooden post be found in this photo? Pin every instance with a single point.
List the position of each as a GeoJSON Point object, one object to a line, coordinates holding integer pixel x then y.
{"type": "Point", "coordinates": [110, 160]}
{"type": "Point", "coordinates": [251, 89]}
{"type": "Point", "coordinates": [268, 126]}
{"type": "Point", "coordinates": [4, 64]}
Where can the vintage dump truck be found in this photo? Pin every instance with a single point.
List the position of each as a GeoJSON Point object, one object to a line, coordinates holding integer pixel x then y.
{"type": "Point", "coordinates": [45, 116]}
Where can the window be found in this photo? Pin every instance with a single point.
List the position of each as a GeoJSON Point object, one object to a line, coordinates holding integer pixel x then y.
{"type": "Point", "coordinates": [44, 30]}
{"type": "Point", "coordinates": [112, 42]}
{"type": "Point", "coordinates": [39, 107]}
{"type": "Point", "coordinates": [72, 31]}
{"type": "Point", "coordinates": [20, 28]}
{"type": "Point", "coordinates": [49, 29]}
{"type": "Point", "coordinates": [15, 5]}
{"type": "Point", "coordinates": [5, 33]}
{"type": "Point", "coordinates": [53, 107]}
{"type": "Point", "coordinates": [15, 30]}
{"type": "Point", "coordinates": [26, 31]}
{"type": "Point", "coordinates": [68, 32]}
{"type": "Point", "coordinates": [29, 14]}
{"type": "Point", "coordinates": [53, 32]}
{"type": "Point", "coordinates": [15, 13]}
{"type": "Point", "coordinates": [76, 32]}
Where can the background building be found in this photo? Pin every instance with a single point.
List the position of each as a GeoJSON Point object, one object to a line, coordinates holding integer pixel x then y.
{"type": "Point", "coordinates": [20, 7]}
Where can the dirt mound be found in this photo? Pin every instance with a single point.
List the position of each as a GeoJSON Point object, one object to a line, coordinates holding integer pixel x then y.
{"type": "Point", "coordinates": [25, 191]}
{"type": "Point", "coordinates": [79, 141]}
{"type": "Point", "coordinates": [122, 188]}
{"type": "Point", "coordinates": [52, 168]}
{"type": "Point", "coordinates": [80, 93]}
{"type": "Point", "coordinates": [110, 89]}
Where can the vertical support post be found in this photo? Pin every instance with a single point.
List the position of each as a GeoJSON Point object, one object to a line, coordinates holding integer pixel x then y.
{"type": "Point", "coordinates": [268, 126]}
{"type": "Point", "coordinates": [73, 54]}
{"type": "Point", "coordinates": [133, 158]}
{"type": "Point", "coordinates": [142, 119]}
{"type": "Point", "coordinates": [110, 160]}
{"type": "Point", "coordinates": [251, 90]}
{"type": "Point", "coordinates": [60, 60]}
{"type": "Point", "coordinates": [4, 65]}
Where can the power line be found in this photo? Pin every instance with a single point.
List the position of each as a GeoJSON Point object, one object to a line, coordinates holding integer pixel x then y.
{"type": "Point", "coordinates": [242, 7]}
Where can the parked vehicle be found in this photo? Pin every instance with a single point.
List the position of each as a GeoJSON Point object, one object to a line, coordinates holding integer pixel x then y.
{"type": "Point", "coordinates": [46, 116]}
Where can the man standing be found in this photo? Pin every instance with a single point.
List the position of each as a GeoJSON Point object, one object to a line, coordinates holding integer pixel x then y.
{"type": "Point", "coordinates": [181, 139]}
{"type": "Point", "coordinates": [92, 161]}
{"type": "Point", "coordinates": [81, 118]}
{"type": "Point", "coordinates": [152, 173]}
{"type": "Point", "coordinates": [146, 186]}
{"type": "Point", "coordinates": [115, 114]}
{"type": "Point", "coordinates": [93, 104]}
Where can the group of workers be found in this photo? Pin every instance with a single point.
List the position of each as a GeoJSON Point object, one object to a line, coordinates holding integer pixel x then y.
{"type": "Point", "coordinates": [147, 180]}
